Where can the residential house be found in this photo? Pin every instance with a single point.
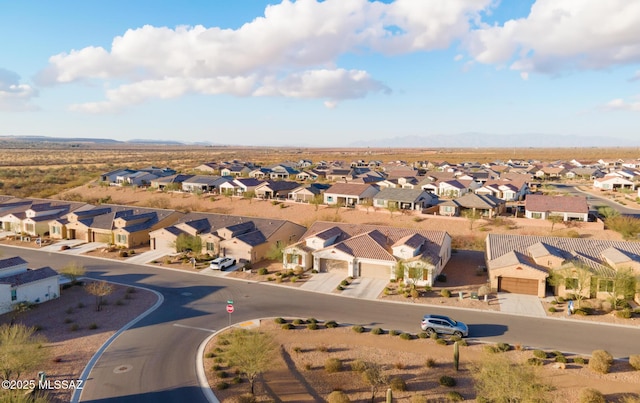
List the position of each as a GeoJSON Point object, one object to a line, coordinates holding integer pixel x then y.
{"type": "Point", "coordinates": [282, 171]}
{"type": "Point", "coordinates": [204, 183]}
{"type": "Point", "coordinates": [275, 189]}
{"type": "Point", "coordinates": [350, 194]}
{"type": "Point", "coordinates": [504, 189]}
{"type": "Point", "coordinates": [235, 171]}
{"type": "Point", "coordinates": [370, 251]}
{"type": "Point", "coordinates": [550, 172]}
{"type": "Point", "coordinates": [522, 264]}
{"type": "Point", "coordinates": [610, 164]}
{"type": "Point", "coordinates": [311, 175]}
{"type": "Point", "coordinates": [19, 283]}
{"type": "Point", "coordinates": [247, 239]}
{"type": "Point", "coordinates": [31, 216]}
{"type": "Point", "coordinates": [240, 186]}
{"type": "Point", "coordinates": [308, 193]}
{"type": "Point", "coordinates": [584, 173]}
{"type": "Point", "coordinates": [404, 199]}
{"type": "Point", "coordinates": [211, 167]}
{"type": "Point", "coordinates": [613, 182]}
{"type": "Point", "coordinates": [172, 182]}
{"type": "Point", "coordinates": [449, 188]}
{"type": "Point", "coordinates": [135, 178]}
{"type": "Point", "coordinates": [570, 208]}
{"type": "Point", "coordinates": [472, 204]}
{"type": "Point", "coordinates": [111, 176]}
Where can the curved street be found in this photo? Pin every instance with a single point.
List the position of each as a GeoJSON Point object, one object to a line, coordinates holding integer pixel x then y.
{"type": "Point", "coordinates": [156, 358]}
{"type": "Point", "coordinates": [595, 201]}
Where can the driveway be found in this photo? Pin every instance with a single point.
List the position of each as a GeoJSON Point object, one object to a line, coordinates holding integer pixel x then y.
{"type": "Point", "coordinates": [149, 256]}
{"type": "Point", "coordinates": [363, 288]}
{"type": "Point", "coordinates": [55, 247]}
{"type": "Point", "coordinates": [519, 304]}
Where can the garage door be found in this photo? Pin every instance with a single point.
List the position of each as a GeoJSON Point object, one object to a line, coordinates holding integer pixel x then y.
{"type": "Point", "coordinates": [330, 265]}
{"type": "Point", "coordinates": [369, 270]}
{"type": "Point", "coordinates": [518, 285]}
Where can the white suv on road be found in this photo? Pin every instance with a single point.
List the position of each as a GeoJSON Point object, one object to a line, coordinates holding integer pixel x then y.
{"type": "Point", "coordinates": [221, 263]}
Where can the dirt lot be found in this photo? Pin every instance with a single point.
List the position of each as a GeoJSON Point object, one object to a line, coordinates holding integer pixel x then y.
{"type": "Point", "coordinates": [299, 374]}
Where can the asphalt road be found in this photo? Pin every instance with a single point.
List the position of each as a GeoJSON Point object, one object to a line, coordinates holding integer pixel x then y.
{"type": "Point", "coordinates": [155, 359]}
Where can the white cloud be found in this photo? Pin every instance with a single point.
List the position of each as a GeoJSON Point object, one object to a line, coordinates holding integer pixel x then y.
{"type": "Point", "coordinates": [563, 35]}
{"type": "Point", "coordinates": [524, 75]}
{"type": "Point", "coordinates": [621, 104]}
{"type": "Point", "coordinates": [300, 41]}
{"type": "Point", "coordinates": [13, 95]}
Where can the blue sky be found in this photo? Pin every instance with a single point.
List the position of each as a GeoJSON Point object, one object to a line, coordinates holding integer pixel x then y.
{"type": "Point", "coordinates": [319, 73]}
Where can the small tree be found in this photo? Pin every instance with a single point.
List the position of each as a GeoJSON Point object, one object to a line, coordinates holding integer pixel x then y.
{"type": "Point", "coordinates": [497, 379]}
{"type": "Point", "coordinates": [622, 283]}
{"type": "Point", "coordinates": [367, 203]}
{"type": "Point", "coordinates": [99, 289]}
{"type": "Point", "coordinates": [252, 352]}
{"type": "Point", "coordinates": [73, 271]}
{"type": "Point", "coordinates": [392, 208]}
{"type": "Point", "coordinates": [472, 215]}
{"type": "Point", "coordinates": [185, 242]}
{"type": "Point", "coordinates": [575, 277]}
{"type": "Point", "coordinates": [554, 219]}
{"type": "Point", "coordinates": [249, 195]}
{"type": "Point", "coordinates": [317, 200]}
{"type": "Point", "coordinates": [374, 375]}
{"type": "Point", "coordinates": [20, 350]}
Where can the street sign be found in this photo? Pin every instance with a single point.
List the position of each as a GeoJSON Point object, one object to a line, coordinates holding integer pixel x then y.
{"type": "Point", "coordinates": [230, 308]}
{"type": "Point", "coordinates": [230, 301]}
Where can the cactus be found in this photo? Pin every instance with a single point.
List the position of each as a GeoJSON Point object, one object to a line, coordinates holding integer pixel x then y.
{"type": "Point", "coordinates": [456, 355]}
{"type": "Point", "coordinates": [389, 395]}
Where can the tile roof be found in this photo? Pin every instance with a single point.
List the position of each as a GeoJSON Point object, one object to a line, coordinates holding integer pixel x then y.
{"type": "Point", "coordinates": [11, 262]}
{"type": "Point", "coordinates": [400, 194]}
{"type": "Point", "coordinates": [252, 238]}
{"type": "Point", "coordinates": [370, 245]}
{"type": "Point", "coordinates": [566, 204]}
{"type": "Point", "coordinates": [351, 189]}
{"type": "Point", "coordinates": [30, 276]}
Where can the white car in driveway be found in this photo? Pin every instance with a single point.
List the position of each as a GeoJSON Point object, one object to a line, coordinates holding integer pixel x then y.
{"type": "Point", "coordinates": [222, 263]}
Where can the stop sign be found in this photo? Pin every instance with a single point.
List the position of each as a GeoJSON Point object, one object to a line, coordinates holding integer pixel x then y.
{"type": "Point", "coordinates": [230, 308]}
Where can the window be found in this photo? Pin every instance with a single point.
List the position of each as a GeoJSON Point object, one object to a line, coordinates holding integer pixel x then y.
{"type": "Point", "coordinates": [121, 238]}
{"type": "Point", "coordinates": [56, 230]}
{"type": "Point", "coordinates": [30, 228]}
{"type": "Point", "coordinates": [14, 295]}
{"type": "Point", "coordinates": [605, 285]}
{"type": "Point", "coordinates": [571, 283]}
{"type": "Point", "coordinates": [210, 246]}
{"type": "Point", "coordinates": [536, 215]}
{"type": "Point", "coordinates": [329, 199]}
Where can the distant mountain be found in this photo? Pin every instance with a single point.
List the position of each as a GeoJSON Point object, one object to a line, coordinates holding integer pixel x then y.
{"type": "Point", "coordinates": [484, 140]}
{"type": "Point", "coordinates": [163, 142]}
{"type": "Point", "coordinates": [47, 139]}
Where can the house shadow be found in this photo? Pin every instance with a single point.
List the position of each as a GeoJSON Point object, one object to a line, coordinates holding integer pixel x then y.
{"type": "Point", "coordinates": [487, 330]}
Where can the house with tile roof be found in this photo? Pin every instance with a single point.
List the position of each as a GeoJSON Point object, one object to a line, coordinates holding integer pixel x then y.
{"type": "Point", "coordinates": [19, 283]}
{"type": "Point", "coordinates": [271, 189]}
{"type": "Point", "coordinates": [246, 239]}
{"type": "Point", "coordinates": [522, 264]}
{"type": "Point", "coordinates": [613, 182]}
{"type": "Point", "coordinates": [308, 193]}
{"type": "Point", "coordinates": [479, 205]}
{"type": "Point", "coordinates": [349, 194]}
{"type": "Point", "coordinates": [369, 251]}
{"type": "Point", "coordinates": [570, 208]}
{"type": "Point", "coordinates": [240, 186]}
{"type": "Point", "coordinates": [404, 199]}
{"type": "Point", "coordinates": [32, 216]}
{"type": "Point", "coordinates": [204, 183]}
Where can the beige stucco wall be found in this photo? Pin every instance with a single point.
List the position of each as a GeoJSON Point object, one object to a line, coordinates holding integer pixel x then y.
{"type": "Point", "coordinates": [513, 271]}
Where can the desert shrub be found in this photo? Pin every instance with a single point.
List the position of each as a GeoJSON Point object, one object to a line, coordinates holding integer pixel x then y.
{"type": "Point", "coordinates": [539, 354]}
{"type": "Point", "coordinates": [535, 361]}
{"type": "Point", "coordinates": [338, 396]}
{"type": "Point", "coordinates": [503, 347]}
{"type": "Point", "coordinates": [634, 361]}
{"type": "Point", "coordinates": [330, 324]}
{"type": "Point", "coordinates": [263, 271]}
{"type": "Point", "coordinates": [423, 335]}
{"type": "Point", "coordinates": [210, 354]}
{"type": "Point", "coordinates": [123, 253]}
{"type": "Point", "coordinates": [280, 320]}
{"type": "Point", "coordinates": [322, 348]}
{"type": "Point", "coordinates": [358, 366]}
{"type": "Point", "coordinates": [556, 353]}
{"type": "Point", "coordinates": [454, 396]}
{"type": "Point", "coordinates": [445, 293]}
{"type": "Point", "coordinates": [561, 358]}
{"type": "Point", "coordinates": [297, 349]}
{"type": "Point", "coordinates": [398, 384]}
{"type": "Point", "coordinates": [573, 234]}
{"type": "Point", "coordinates": [344, 283]}
{"type": "Point", "coordinates": [243, 398]}
{"type": "Point", "coordinates": [312, 320]}
{"type": "Point", "coordinates": [446, 380]}
{"type": "Point", "coordinates": [406, 336]}
{"type": "Point", "coordinates": [358, 329]}
{"type": "Point", "coordinates": [624, 313]}
{"type": "Point", "coordinates": [554, 302]}
{"type": "Point", "coordinates": [333, 365]}
{"type": "Point", "coordinates": [442, 342]}
{"type": "Point", "coordinates": [222, 385]}
{"type": "Point", "coordinates": [430, 363]}
{"type": "Point", "coordinates": [93, 326]}
{"type": "Point", "coordinates": [293, 279]}
{"type": "Point", "coordinates": [553, 309]}
{"type": "Point", "coordinates": [584, 311]}
{"type": "Point", "coordinates": [74, 327]}
{"type": "Point", "coordinates": [312, 326]}
{"type": "Point", "coordinates": [297, 322]}
{"type": "Point", "coordinates": [601, 361]}
{"type": "Point", "coordinates": [579, 360]}
{"type": "Point", "coordinates": [398, 365]}
{"type": "Point", "coordinates": [394, 332]}
{"type": "Point", "coordinates": [340, 288]}
{"type": "Point", "coordinates": [308, 366]}
{"type": "Point", "coordinates": [222, 374]}
{"type": "Point", "coordinates": [287, 326]}
{"type": "Point", "coordinates": [590, 395]}
{"type": "Point", "coordinates": [491, 349]}
{"type": "Point", "coordinates": [377, 330]}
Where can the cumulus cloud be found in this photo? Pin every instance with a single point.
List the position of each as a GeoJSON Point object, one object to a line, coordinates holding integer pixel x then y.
{"type": "Point", "coordinates": [622, 105]}
{"type": "Point", "coordinates": [13, 95]}
{"type": "Point", "coordinates": [562, 35]}
{"type": "Point", "coordinates": [288, 52]}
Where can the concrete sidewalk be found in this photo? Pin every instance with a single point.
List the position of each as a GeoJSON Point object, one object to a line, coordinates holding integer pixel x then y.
{"type": "Point", "coordinates": [323, 282]}
{"type": "Point", "coordinates": [518, 304]}
{"type": "Point", "coordinates": [365, 288]}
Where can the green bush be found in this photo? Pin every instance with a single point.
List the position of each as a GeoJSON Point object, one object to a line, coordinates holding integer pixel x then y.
{"type": "Point", "coordinates": [222, 374]}
{"type": "Point", "coordinates": [430, 363]}
{"type": "Point", "coordinates": [540, 354]}
{"type": "Point", "coordinates": [344, 283]}
{"type": "Point", "coordinates": [330, 324]}
{"type": "Point", "coordinates": [263, 271]}
{"type": "Point", "coordinates": [338, 396]}
{"type": "Point", "coordinates": [297, 322]}
{"type": "Point", "coordinates": [624, 313]}
{"type": "Point", "coordinates": [358, 329]}
{"type": "Point", "coordinates": [287, 326]}
{"type": "Point", "coordinates": [423, 335]}
{"type": "Point", "coordinates": [445, 293]}
{"type": "Point", "coordinates": [579, 360]}
{"type": "Point", "coordinates": [535, 361]}
{"type": "Point", "coordinates": [442, 342]}
{"type": "Point", "coordinates": [93, 326]}
{"type": "Point", "coordinates": [394, 332]}
{"type": "Point", "coordinates": [454, 396]}
{"type": "Point", "coordinates": [590, 395]}
{"type": "Point", "coordinates": [553, 309]}
{"type": "Point", "coordinates": [601, 361]}
{"type": "Point", "coordinates": [312, 320]}
{"type": "Point", "coordinates": [222, 385]}
{"type": "Point", "coordinates": [503, 347]}
{"type": "Point", "coordinates": [406, 336]}
{"type": "Point", "coordinates": [561, 358]}
{"type": "Point", "coordinates": [358, 366]}
{"type": "Point", "coordinates": [333, 365]}
{"type": "Point", "coordinates": [377, 330]}
{"type": "Point", "coordinates": [398, 384]}
{"type": "Point", "coordinates": [312, 326]}
{"type": "Point", "coordinates": [634, 361]}
{"type": "Point", "coordinates": [280, 320]}
{"type": "Point", "coordinates": [446, 380]}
